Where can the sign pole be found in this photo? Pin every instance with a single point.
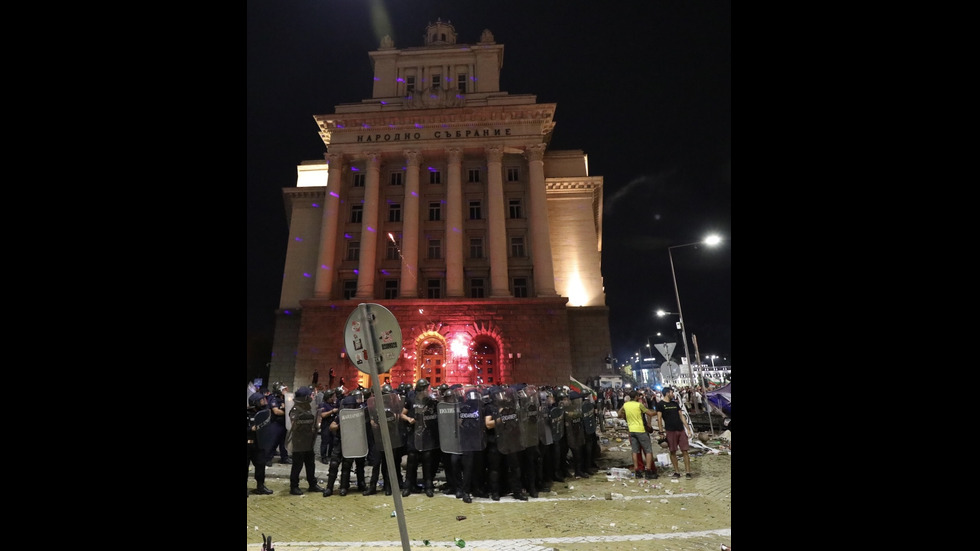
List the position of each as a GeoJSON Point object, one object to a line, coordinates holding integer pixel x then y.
{"type": "Point", "coordinates": [375, 366]}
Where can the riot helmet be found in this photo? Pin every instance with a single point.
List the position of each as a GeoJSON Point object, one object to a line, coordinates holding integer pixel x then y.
{"type": "Point", "coordinates": [421, 384]}
{"type": "Point", "coordinates": [303, 394]}
{"type": "Point", "coordinates": [404, 388]}
{"type": "Point", "coordinates": [386, 389]}
{"type": "Point", "coordinates": [255, 400]}
{"type": "Point", "coordinates": [350, 402]}
{"type": "Point", "coordinates": [501, 396]}
{"type": "Point", "coordinates": [358, 396]}
{"type": "Point", "coordinates": [339, 391]}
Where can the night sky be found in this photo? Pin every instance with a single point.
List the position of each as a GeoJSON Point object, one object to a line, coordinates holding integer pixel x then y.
{"type": "Point", "coordinates": [643, 88]}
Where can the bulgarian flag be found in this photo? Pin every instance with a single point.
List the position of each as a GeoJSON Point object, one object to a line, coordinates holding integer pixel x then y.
{"type": "Point", "coordinates": [578, 386]}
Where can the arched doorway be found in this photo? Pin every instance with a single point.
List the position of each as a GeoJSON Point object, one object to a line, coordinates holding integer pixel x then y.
{"type": "Point", "coordinates": [431, 358]}
{"type": "Point", "coordinates": [483, 357]}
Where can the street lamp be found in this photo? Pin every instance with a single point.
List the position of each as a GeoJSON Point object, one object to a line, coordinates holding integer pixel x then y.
{"type": "Point", "coordinates": [711, 241]}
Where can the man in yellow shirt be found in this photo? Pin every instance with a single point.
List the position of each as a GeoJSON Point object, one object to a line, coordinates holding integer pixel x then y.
{"type": "Point", "coordinates": [633, 411]}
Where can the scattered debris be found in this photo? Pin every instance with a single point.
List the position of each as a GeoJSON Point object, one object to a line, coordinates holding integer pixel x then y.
{"type": "Point", "coordinates": [458, 517]}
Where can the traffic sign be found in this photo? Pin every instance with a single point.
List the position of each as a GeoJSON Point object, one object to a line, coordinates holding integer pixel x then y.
{"type": "Point", "coordinates": [373, 332]}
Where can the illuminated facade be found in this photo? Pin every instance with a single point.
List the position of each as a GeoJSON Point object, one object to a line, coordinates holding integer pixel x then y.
{"type": "Point", "coordinates": [439, 199]}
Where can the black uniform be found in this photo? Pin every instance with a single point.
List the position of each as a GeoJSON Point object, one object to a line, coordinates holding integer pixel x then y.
{"type": "Point", "coordinates": [256, 455]}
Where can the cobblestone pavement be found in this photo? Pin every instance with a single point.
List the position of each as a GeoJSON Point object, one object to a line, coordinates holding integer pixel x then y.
{"type": "Point", "coordinates": [577, 515]}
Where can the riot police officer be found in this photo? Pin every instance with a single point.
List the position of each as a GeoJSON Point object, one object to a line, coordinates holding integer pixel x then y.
{"type": "Point", "coordinates": [590, 450]}
{"type": "Point", "coordinates": [505, 444]}
{"type": "Point", "coordinates": [530, 456]}
{"type": "Point", "coordinates": [328, 413]}
{"type": "Point", "coordinates": [407, 429]}
{"type": "Point", "coordinates": [548, 438]}
{"type": "Point", "coordinates": [350, 448]}
{"type": "Point", "coordinates": [277, 404]}
{"type": "Point", "coordinates": [423, 445]}
{"type": "Point", "coordinates": [259, 436]}
{"type": "Point", "coordinates": [575, 432]}
{"type": "Point", "coordinates": [300, 439]}
{"type": "Point", "coordinates": [393, 408]}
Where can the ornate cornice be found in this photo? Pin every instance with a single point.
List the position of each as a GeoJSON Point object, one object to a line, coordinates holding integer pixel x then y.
{"type": "Point", "coordinates": [574, 185]}
{"type": "Point", "coordinates": [542, 112]}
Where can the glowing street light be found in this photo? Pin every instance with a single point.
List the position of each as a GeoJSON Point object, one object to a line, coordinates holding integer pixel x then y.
{"type": "Point", "coordinates": [711, 241]}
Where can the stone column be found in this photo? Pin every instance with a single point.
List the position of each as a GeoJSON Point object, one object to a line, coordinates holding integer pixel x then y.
{"type": "Point", "coordinates": [544, 271]}
{"type": "Point", "coordinates": [327, 255]}
{"type": "Point", "coordinates": [454, 225]}
{"type": "Point", "coordinates": [410, 228]}
{"type": "Point", "coordinates": [369, 229]}
{"type": "Point", "coordinates": [496, 222]}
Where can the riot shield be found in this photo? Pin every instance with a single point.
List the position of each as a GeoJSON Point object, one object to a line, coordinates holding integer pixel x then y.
{"type": "Point", "coordinates": [557, 414]}
{"type": "Point", "coordinates": [353, 432]}
{"type": "Point", "coordinates": [527, 410]}
{"type": "Point", "coordinates": [426, 431]}
{"type": "Point", "coordinates": [266, 435]}
{"type": "Point", "coordinates": [472, 428]}
{"type": "Point", "coordinates": [506, 419]}
{"type": "Point", "coordinates": [288, 400]}
{"type": "Point", "coordinates": [302, 433]}
{"type": "Point", "coordinates": [545, 435]}
{"type": "Point", "coordinates": [393, 410]}
{"type": "Point", "coordinates": [588, 414]}
{"type": "Point", "coordinates": [447, 411]}
{"type": "Point", "coordinates": [574, 433]}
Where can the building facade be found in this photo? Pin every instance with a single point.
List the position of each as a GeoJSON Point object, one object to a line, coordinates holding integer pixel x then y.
{"type": "Point", "coordinates": [439, 199]}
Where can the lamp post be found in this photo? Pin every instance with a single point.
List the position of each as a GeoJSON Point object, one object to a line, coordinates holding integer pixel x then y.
{"type": "Point", "coordinates": [711, 240]}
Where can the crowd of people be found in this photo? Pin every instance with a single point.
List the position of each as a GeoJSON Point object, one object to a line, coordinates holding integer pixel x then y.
{"type": "Point", "coordinates": [692, 397]}
{"type": "Point", "coordinates": [489, 441]}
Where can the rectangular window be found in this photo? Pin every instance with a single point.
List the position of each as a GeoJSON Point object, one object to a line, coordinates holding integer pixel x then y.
{"type": "Point", "coordinates": [394, 212]}
{"type": "Point", "coordinates": [513, 175]}
{"type": "Point", "coordinates": [435, 249]}
{"type": "Point", "coordinates": [517, 247]}
{"type": "Point", "coordinates": [395, 179]}
{"type": "Point", "coordinates": [353, 250]}
{"type": "Point", "coordinates": [476, 248]}
{"type": "Point", "coordinates": [476, 288]}
{"type": "Point", "coordinates": [473, 175]}
{"type": "Point", "coordinates": [475, 210]}
{"type": "Point", "coordinates": [356, 213]}
{"type": "Point", "coordinates": [520, 287]}
{"type": "Point", "coordinates": [358, 180]}
{"type": "Point", "coordinates": [350, 288]}
{"type": "Point", "coordinates": [435, 177]}
{"type": "Point", "coordinates": [434, 288]}
{"type": "Point", "coordinates": [515, 208]}
{"type": "Point", "coordinates": [435, 211]}
{"type": "Point", "coordinates": [409, 85]}
{"type": "Point", "coordinates": [461, 82]}
{"type": "Point", "coordinates": [391, 288]}
{"type": "Point", "coordinates": [436, 82]}
{"type": "Point", "coordinates": [391, 252]}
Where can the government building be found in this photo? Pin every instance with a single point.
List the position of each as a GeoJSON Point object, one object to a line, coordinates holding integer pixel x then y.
{"type": "Point", "coordinates": [439, 199]}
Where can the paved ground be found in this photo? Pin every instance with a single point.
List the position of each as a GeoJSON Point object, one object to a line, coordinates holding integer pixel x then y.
{"type": "Point", "coordinates": [578, 515]}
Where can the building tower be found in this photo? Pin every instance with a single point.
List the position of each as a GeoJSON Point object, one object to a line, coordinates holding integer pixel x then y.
{"type": "Point", "coordinates": [439, 199]}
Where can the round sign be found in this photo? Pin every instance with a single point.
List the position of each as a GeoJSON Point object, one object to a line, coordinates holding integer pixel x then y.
{"type": "Point", "coordinates": [386, 345]}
